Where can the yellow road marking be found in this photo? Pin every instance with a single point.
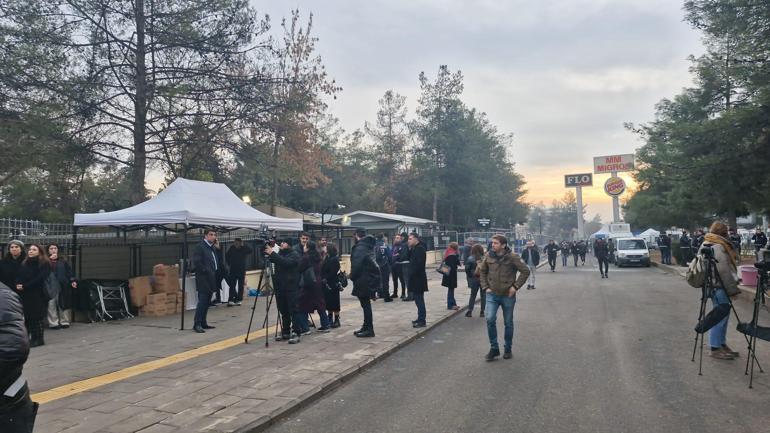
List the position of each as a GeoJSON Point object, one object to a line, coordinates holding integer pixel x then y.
{"type": "Point", "coordinates": [73, 388]}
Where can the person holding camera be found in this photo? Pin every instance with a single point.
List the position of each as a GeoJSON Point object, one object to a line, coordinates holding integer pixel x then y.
{"type": "Point", "coordinates": [726, 284]}
{"type": "Point", "coordinates": [286, 281]}
{"type": "Point", "coordinates": [17, 411]}
{"type": "Point", "coordinates": [366, 278]}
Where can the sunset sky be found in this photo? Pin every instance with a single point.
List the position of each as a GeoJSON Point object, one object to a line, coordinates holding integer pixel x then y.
{"type": "Point", "coordinates": [561, 75]}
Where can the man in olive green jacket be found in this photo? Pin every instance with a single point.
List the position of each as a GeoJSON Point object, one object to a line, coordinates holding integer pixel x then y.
{"type": "Point", "coordinates": [499, 278]}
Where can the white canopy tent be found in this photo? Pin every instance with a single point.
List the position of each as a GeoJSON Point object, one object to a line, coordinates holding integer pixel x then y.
{"type": "Point", "coordinates": [193, 203]}
{"type": "Point", "coordinates": [601, 233]}
{"type": "Point", "coordinates": [650, 235]}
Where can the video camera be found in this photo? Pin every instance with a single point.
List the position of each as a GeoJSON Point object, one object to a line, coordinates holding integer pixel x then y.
{"type": "Point", "coordinates": [262, 239]}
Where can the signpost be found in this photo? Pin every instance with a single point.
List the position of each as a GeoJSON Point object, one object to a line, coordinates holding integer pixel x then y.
{"type": "Point", "coordinates": [614, 186]}
{"type": "Point", "coordinates": [578, 181]}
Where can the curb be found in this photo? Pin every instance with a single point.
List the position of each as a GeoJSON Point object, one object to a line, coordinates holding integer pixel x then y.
{"type": "Point", "coordinates": [265, 422]}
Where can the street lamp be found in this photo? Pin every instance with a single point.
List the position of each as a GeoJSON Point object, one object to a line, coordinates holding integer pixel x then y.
{"type": "Point", "coordinates": [246, 199]}
{"type": "Point", "coordinates": [323, 214]}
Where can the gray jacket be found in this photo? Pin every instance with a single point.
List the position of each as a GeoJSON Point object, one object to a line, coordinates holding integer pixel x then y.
{"type": "Point", "coordinates": [727, 274]}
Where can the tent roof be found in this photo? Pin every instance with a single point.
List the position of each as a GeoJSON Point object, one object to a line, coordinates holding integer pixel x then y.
{"type": "Point", "coordinates": [388, 216]}
{"type": "Point", "coordinates": [191, 202]}
{"type": "Point", "coordinates": [649, 232]}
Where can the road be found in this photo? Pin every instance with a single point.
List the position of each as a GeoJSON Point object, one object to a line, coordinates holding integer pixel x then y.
{"type": "Point", "coordinates": [590, 355]}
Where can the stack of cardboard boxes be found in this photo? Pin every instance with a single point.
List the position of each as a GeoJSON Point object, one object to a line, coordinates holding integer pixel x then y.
{"type": "Point", "coordinates": [159, 294]}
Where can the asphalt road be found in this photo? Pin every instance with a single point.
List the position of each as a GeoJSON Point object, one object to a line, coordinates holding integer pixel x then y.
{"type": "Point", "coordinates": [590, 355]}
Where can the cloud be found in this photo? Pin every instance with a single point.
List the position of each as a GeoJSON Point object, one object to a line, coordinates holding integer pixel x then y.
{"type": "Point", "coordinates": [562, 75]}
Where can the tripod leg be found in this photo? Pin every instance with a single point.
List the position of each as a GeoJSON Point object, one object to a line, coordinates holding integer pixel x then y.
{"type": "Point", "coordinates": [254, 308]}
{"type": "Point", "coordinates": [748, 340]}
{"type": "Point", "coordinates": [701, 316]}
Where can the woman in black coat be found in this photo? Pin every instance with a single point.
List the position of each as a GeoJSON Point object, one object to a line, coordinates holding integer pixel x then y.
{"type": "Point", "coordinates": [9, 266]}
{"type": "Point", "coordinates": [451, 259]}
{"type": "Point", "coordinates": [331, 284]}
{"type": "Point", "coordinates": [30, 285]}
{"type": "Point", "coordinates": [60, 307]}
{"type": "Point", "coordinates": [311, 297]}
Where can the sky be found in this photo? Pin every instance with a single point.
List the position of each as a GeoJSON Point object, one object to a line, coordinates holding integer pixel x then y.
{"type": "Point", "coordinates": [562, 75]}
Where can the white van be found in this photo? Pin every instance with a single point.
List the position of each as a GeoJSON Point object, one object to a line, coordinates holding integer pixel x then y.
{"type": "Point", "coordinates": [632, 251]}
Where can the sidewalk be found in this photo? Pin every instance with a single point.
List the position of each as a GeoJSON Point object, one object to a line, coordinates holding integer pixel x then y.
{"type": "Point", "coordinates": [145, 375]}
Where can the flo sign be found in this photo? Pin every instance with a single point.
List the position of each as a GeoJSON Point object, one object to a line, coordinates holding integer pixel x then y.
{"type": "Point", "coordinates": [573, 180]}
{"type": "Point", "coordinates": [613, 163]}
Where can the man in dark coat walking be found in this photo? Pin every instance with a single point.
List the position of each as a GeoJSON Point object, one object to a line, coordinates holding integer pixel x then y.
{"type": "Point", "coordinates": [236, 261]}
{"type": "Point", "coordinates": [602, 253]}
{"type": "Point", "coordinates": [206, 268]}
{"type": "Point", "coordinates": [417, 280]}
{"type": "Point", "coordinates": [366, 278]}
{"type": "Point", "coordinates": [17, 411]}
{"type": "Point", "coordinates": [286, 281]}
{"type": "Point", "coordinates": [552, 250]}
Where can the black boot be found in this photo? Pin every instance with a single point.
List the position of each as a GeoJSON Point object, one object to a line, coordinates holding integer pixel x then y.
{"type": "Point", "coordinates": [366, 333]}
{"type": "Point", "coordinates": [336, 321]}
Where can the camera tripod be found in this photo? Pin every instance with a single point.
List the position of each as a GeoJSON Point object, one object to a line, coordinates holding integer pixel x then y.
{"type": "Point", "coordinates": [753, 329]}
{"type": "Point", "coordinates": [708, 292]}
{"type": "Point", "coordinates": [265, 283]}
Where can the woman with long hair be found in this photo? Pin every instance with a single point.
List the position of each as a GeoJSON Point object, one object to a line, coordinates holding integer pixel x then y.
{"type": "Point", "coordinates": [30, 285]}
{"type": "Point", "coordinates": [311, 298]}
{"type": "Point", "coordinates": [331, 284]}
{"type": "Point", "coordinates": [60, 307]}
{"type": "Point", "coordinates": [474, 280]}
{"type": "Point", "coordinates": [726, 285]}
{"type": "Point", "coordinates": [451, 259]}
{"type": "Point", "coordinates": [9, 266]}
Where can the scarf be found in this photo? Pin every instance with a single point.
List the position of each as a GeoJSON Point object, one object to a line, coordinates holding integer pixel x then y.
{"type": "Point", "coordinates": [716, 239]}
{"type": "Point", "coordinates": [449, 252]}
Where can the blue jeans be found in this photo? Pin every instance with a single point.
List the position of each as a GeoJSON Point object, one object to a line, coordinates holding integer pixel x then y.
{"type": "Point", "coordinates": [419, 300]}
{"type": "Point", "coordinates": [450, 298]}
{"type": "Point", "coordinates": [718, 334]}
{"type": "Point", "coordinates": [507, 303]}
{"type": "Point", "coordinates": [301, 320]}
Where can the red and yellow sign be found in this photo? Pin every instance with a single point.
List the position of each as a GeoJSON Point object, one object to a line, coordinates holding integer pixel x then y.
{"type": "Point", "coordinates": [614, 186]}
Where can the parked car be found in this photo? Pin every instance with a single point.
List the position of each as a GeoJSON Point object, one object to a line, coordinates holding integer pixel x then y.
{"type": "Point", "coordinates": [632, 251]}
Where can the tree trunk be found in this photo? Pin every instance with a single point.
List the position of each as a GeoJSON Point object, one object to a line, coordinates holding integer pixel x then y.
{"type": "Point", "coordinates": [274, 186]}
{"type": "Point", "coordinates": [732, 219]}
{"type": "Point", "coordinates": [138, 170]}
{"type": "Point", "coordinates": [435, 202]}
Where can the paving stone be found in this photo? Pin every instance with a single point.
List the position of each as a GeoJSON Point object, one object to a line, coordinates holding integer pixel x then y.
{"type": "Point", "coordinates": [224, 391]}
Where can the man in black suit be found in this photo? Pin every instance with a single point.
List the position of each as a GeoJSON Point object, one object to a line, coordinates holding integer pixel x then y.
{"type": "Point", "coordinates": [206, 265]}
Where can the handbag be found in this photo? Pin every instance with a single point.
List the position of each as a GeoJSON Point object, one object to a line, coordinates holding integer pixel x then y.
{"type": "Point", "coordinates": [444, 269]}
{"type": "Point", "coordinates": [52, 286]}
{"type": "Point", "coordinates": [342, 277]}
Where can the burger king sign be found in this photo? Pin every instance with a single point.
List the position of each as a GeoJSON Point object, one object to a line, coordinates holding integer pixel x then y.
{"type": "Point", "coordinates": [614, 186]}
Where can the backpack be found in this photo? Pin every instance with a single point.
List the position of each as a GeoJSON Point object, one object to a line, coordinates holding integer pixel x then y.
{"type": "Point", "coordinates": [696, 273]}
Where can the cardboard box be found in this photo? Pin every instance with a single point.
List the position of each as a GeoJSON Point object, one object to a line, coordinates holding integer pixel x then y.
{"type": "Point", "coordinates": [139, 288]}
{"type": "Point", "coordinates": [168, 282]}
{"type": "Point", "coordinates": [159, 269]}
{"type": "Point", "coordinates": [156, 299]}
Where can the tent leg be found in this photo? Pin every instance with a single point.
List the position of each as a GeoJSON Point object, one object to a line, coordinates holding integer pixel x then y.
{"type": "Point", "coordinates": [184, 277]}
{"type": "Point", "coordinates": [74, 250]}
